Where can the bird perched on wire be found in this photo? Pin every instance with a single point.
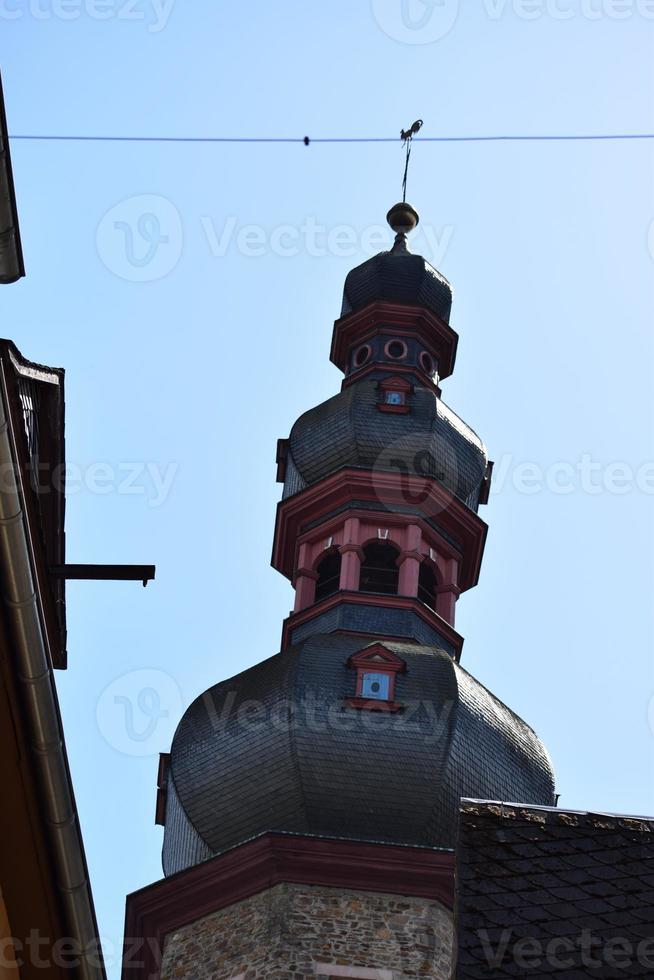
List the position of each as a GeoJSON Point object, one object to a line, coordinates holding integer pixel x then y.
{"type": "Point", "coordinates": [407, 134]}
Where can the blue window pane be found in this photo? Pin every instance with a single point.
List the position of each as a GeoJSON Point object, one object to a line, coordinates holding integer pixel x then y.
{"type": "Point", "coordinates": [394, 398]}
{"type": "Point", "coordinates": [376, 686]}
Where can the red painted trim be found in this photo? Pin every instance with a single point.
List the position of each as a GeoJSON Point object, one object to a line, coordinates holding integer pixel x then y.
{"type": "Point", "coordinates": [399, 386]}
{"type": "Point", "coordinates": [394, 522]}
{"type": "Point", "coordinates": [383, 538]}
{"type": "Point", "coordinates": [396, 384]}
{"type": "Point", "coordinates": [394, 409]}
{"type": "Point", "coordinates": [409, 370]}
{"type": "Point", "coordinates": [154, 912]}
{"type": "Point", "coordinates": [389, 490]}
{"type": "Point", "coordinates": [355, 328]}
{"type": "Point", "coordinates": [416, 556]}
{"type": "Point", "coordinates": [360, 348]}
{"type": "Point", "coordinates": [351, 547]}
{"type": "Point", "coordinates": [364, 657]}
{"type": "Point", "coordinates": [387, 639]}
{"type": "Point", "coordinates": [394, 332]}
{"type": "Point", "coordinates": [363, 704]}
{"type": "Point", "coordinates": [366, 661]}
{"type": "Point", "coordinates": [407, 538]}
{"type": "Point", "coordinates": [448, 587]}
{"type": "Point", "coordinates": [405, 349]}
{"type": "Point", "coordinates": [366, 598]}
{"type": "Point", "coordinates": [431, 370]}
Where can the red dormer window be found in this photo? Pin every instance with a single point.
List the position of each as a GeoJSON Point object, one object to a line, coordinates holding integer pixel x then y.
{"type": "Point", "coordinates": [376, 673]}
{"type": "Point", "coordinates": [394, 394]}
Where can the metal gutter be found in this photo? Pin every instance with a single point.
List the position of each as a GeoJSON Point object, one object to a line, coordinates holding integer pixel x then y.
{"type": "Point", "coordinates": [19, 593]}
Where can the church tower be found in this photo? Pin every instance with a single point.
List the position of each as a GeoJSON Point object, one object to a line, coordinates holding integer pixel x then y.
{"type": "Point", "coordinates": [310, 804]}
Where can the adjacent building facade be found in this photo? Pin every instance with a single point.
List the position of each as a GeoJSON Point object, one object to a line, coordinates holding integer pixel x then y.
{"type": "Point", "coordinates": [47, 919]}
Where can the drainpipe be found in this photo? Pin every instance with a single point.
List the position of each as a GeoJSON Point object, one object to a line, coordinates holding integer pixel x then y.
{"type": "Point", "coordinates": [19, 595]}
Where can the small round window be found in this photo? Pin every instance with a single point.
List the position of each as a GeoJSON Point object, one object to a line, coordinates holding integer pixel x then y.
{"type": "Point", "coordinates": [427, 363]}
{"type": "Point", "coordinates": [396, 349]}
{"type": "Point", "coordinates": [362, 355]}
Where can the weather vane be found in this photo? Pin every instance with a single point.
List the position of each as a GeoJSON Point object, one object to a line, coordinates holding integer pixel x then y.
{"type": "Point", "coordinates": [406, 135]}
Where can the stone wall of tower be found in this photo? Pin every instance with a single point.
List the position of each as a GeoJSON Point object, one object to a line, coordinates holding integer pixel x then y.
{"type": "Point", "coordinates": [295, 932]}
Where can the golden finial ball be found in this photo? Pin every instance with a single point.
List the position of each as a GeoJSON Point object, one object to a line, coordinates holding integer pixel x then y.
{"type": "Point", "coordinates": [402, 218]}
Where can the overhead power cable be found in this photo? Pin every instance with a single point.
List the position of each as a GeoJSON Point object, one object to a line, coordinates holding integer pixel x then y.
{"type": "Point", "coordinates": [306, 140]}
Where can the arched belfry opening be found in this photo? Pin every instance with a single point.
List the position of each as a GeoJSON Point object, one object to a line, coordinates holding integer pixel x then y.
{"type": "Point", "coordinates": [379, 568]}
{"type": "Point", "coordinates": [427, 584]}
{"type": "Point", "coordinates": [329, 575]}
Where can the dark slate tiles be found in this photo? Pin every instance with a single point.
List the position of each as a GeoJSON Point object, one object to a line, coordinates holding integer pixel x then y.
{"type": "Point", "coordinates": [398, 277]}
{"type": "Point", "coordinates": [276, 748]}
{"type": "Point", "coordinates": [348, 430]}
{"type": "Point", "coordinates": [548, 893]}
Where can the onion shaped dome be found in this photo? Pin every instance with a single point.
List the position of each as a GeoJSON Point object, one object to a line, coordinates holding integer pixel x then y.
{"type": "Point", "coordinates": [277, 749]}
{"type": "Point", "coordinates": [398, 276]}
{"type": "Point", "coordinates": [349, 430]}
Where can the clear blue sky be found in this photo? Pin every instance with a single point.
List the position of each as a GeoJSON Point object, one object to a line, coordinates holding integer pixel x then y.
{"type": "Point", "coordinates": [191, 345]}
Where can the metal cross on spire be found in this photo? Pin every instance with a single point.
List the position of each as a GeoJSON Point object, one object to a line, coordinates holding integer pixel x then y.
{"type": "Point", "coordinates": [406, 135]}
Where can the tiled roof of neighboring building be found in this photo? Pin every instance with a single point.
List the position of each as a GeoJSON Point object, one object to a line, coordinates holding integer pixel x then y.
{"type": "Point", "coordinates": [276, 749]}
{"type": "Point", "coordinates": [548, 893]}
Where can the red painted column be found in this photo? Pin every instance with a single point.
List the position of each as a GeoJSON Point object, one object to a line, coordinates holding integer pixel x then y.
{"type": "Point", "coordinates": [351, 555]}
{"type": "Point", "coordinates": [448, 590]}
{"type": "Point", "coordinates": [305, 588]}
{"type": "Point", "coordinates": [409, 561]}
{"type": "Point", "coordinates": [305, 581]}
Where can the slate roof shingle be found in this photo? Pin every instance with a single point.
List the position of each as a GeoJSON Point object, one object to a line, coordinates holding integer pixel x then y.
{"type": "Point", "coordinates": [348, 430]}
{"type": "Point", "coordinates": [275, 749]}
{"type": "Point", "coordinates": [577, 888]}
{"type": "Point", "coordinates": [397, 276]}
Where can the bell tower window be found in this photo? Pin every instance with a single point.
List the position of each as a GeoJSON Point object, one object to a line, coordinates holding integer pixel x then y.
{"type": "Point", "coordinates": [329, 575]}
{"type": "Point", "coordinates": [379, 569]}
{"type": "Point", "coordinates": [427, 584]}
